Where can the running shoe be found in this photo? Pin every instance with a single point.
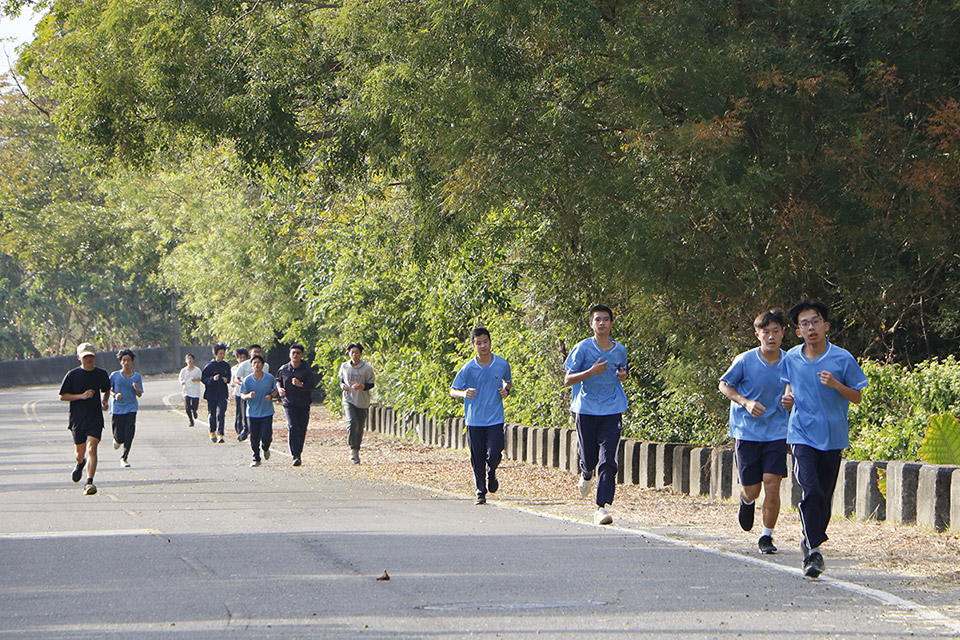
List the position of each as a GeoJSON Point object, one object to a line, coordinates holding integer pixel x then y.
{"type": "Point", "coordinates": [213, 437]}
{"type": "Point", "coordinates": [296, 462]}
{"type": "Point", "coordinates": [124, 463]}
{"type": "Point", "coordinates": [89, 489]}
{"type": "Point", "coordinates": [116, 444]}
{"type": "Point", "coordinates": [255, 463]}
{"type": "Point", "coordinates": [481, 498]}
{"type": "Point", "coordinates": [602, 517]}
{"type": "Point", "coordinates": [78, 470]}
{"type": "Point", "coordinates": [492, 483]}
{"type": "Point", "coordinates": [766, 545]}
{"type": "Point", "coordinates": [266, 454]}
{"type": "Point", "coordinates": [813, 565]}
{"type": "Point", "coordinates": [586, 486]}
{"type": "Point", "coordinates": [745, 514]}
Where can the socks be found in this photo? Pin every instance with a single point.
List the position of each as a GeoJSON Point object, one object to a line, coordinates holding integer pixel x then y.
{"type": "Point", "coordinates": [767, 532]}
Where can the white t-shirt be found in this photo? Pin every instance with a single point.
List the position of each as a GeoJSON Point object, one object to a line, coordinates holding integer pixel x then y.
{"type": "Point", "coordinates": [190, 379]}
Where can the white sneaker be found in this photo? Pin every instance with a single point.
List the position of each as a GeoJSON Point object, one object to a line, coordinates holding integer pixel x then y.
{"type": "Point", "coordinates": [585, 486]}
{"type": "Point", "coordinates": [602, 517]}
{"type": "Point", "coordinates": [355, 456]}
{"type": "Point", "coordinates": [116, 445]}
{"type": "Point", "coordinates": [124, 463]}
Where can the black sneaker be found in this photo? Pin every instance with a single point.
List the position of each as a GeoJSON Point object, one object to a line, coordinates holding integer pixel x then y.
{"type": "Point", "coordinates": [481, 498]}
{"type": "Point", "coordinates": [745, 515]}
{"type": "Point", "coordinates": [242, 436]}
{"type": "Point", "coordinates": [766, 545]}
{"type": "Point", "coordinates": [266, 454]}
{"type": "Point", "coordinates": [78, 470]}
{"type": "Point", "coordinates": [813, 565]}
{"type": "Point", "coordinates": [89, 489]}
{"type": "Point", "coordinates": [296, 462]}
{"type": "Point", "coordinates": [492, 483]}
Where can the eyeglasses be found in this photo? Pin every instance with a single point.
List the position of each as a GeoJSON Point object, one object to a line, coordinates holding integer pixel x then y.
{"type": "Point", "coordinates": [809, 324]}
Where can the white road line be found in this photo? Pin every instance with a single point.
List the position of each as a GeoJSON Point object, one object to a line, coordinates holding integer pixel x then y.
{"type": "Point", "coordinates": [40, 535]}
{"type": "Point", "coordinates": [923, 612]}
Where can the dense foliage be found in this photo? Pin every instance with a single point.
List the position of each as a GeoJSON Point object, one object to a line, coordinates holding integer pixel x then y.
{"type": "Point", "coordinates": [397, 171]}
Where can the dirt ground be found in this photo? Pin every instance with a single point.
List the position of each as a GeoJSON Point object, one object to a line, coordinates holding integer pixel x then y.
{"type": "Point", "coordinates": [917, 564]}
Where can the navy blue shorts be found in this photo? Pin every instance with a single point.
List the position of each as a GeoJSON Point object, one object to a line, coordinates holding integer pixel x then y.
{"type": "Point", "coordinates": [757, 458]}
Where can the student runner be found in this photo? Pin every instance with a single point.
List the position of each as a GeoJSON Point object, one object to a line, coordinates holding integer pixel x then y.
{"type": "Point", "coordinates": [81, 387]}
{"type": "Point", "coordinates": [822, 380]}
{"type": "Point", "coordinates": [215, 377]}
{"type": "Point", "coordinates": [295, 383]}
{"type": "Point", "coordinates": [192, 387]}
{"type": "Point", "coordinates": [126, 386]}
{"type": "Point", "coordinates": [758, 423]}
{"type": "Point", "coordinates": [356, 380]}
{"type": "Point", "coordinates": [258, 390]}
{"type": "Point", "coordinates": [596, 369]}
{"type": "Point", "coordinates": [483, 383]}
{"type": "Point", "coordinates": [238, 372]}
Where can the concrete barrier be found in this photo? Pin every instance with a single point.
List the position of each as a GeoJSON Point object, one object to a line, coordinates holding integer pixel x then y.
{"type": "Point", "coordinates": [932, 499]}
{"type": "Point", "coordinates": [933, 496]}
{"type": "Point", "coordinates": [871, 504]}
{"type": "Point", "coordinates": [681, 469]}
{"type": "Point", "coordinates": [699, 481]}
{"type": "Point", "coordinates": [721, 468]}
{"type": "Point", "coordinates": [902, 479]}
{"type": "Point", "coordinates": [845, 494]}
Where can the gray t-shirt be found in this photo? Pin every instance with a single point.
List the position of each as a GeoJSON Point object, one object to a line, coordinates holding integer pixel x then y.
{"type": "Point", "coordinates": [350, 375]}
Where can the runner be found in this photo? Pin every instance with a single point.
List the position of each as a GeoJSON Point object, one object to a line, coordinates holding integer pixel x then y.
{"type": "Point", "coordinates": [126, 386]}
{"type": "Point", "coordinates": [356, 380]}
{"type": "Point", "coordinates": [81, 387]}
{"type": "Point", "coordinates": [295, 383]}
{"type": "Point", "coordinates": [192, 387]}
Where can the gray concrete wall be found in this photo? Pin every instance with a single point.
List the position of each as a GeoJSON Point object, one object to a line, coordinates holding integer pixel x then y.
{"type": "Point", "coordinates": [926, 494]}
{"type": "Point", "coordinates": [151, 361]}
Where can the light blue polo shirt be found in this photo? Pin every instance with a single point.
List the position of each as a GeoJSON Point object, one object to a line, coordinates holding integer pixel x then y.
{"type": "Point", "coordinates": [756, 379]}
{"type": "Point", "coordinates": [486, 409]}
{"type": "Point", "coordinates": [260, 406]}
{"type": "Point", "coordinates": [602, 394]}
{"type": "Point", "coordinates": [124, 386]}
{"type": "Point", "coordinates": [819, 415]}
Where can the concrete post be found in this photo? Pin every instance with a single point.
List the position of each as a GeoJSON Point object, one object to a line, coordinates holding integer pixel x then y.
{"type": "Point", "coordinates": [845, 494]}
{"type": "Point", "coordinates": [665, 464]}
{"type": "Point", "coordinates": [631, 461]}
{"type": "Point", "coordinates": [523, 442]}
{"type": "Point", "coordinates": [721, 467]}
{"type": "Point", "coordinates": [902, 479]}
{"type": "Point", "coordinates": [648, 464]}
{"type": "Point", "coordinates": [955, 500]}
{"type": "Point", "coordinates": [699, 480]}
{"type": "Point", "coordinates": [871, 505]}
{"type": "Point", "coordinates": [681, 469]}
{"type": "Point", "coordinates": [933, 496]}
{"type": "Point", "coordinates": [620, 451]}
{"type": "Point", "coordinates": [553, 447]}
{"type": "Point", "coordinates": [567, 448]}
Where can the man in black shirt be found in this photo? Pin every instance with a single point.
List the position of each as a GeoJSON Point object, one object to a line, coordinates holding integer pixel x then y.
{"type": "Point", "coordinates": [215, 377]}
{"type": "Point", "coordinates": [81, 387]}
{"type": "Point", "coordinates": [295, 382]}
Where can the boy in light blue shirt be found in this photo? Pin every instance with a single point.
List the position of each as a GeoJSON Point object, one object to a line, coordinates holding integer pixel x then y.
{"type": "Point", "coordinates": [596, 369]}
{"type": "Point", "coordinates": [822, 380]}
{"type": "Point", "coordinates": [126, 386]}
{"type": "Point", "coordinates": [259, 390]}
{"type": "Point", "coordinates": [758, 423]}
{"type": "Point", "coordinates": [483, 383]}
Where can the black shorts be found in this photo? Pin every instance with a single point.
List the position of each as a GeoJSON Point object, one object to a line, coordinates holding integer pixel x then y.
{"type": "Point", "coordinates": [757, 458]}
{"type": "Point", "coordinates": [80, 434]}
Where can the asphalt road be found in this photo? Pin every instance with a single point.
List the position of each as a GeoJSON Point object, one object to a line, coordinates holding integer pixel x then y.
{"type": "Point", "coordinates": [191, 542]}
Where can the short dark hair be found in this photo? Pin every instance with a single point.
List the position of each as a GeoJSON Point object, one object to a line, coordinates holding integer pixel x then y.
{"type": "Point", "coordinates": [805, 304]}
{"type": "Point", "coordinates": [354, 344]}
{"type": "Point", "coordinates": [190, 355]}
{"type": "Point", "coordinates": [255, 346]}
{"type": "Point", "coordinates": [219, 347]}
{"type": "Point", "coordinates": [599, 308]}
{"type": "Point", "coordinates": [241, 352]}
{"type": "Point", "coordinates": [479, 331]}
{"type": "Point", "coordinates": [767, 318]}
{"type": "Point", "coordinates": [297, 345]}
{"type": "Point", "coordinates": [126, 352]}
{"type": "Point", "coordinates": [257, 357]}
